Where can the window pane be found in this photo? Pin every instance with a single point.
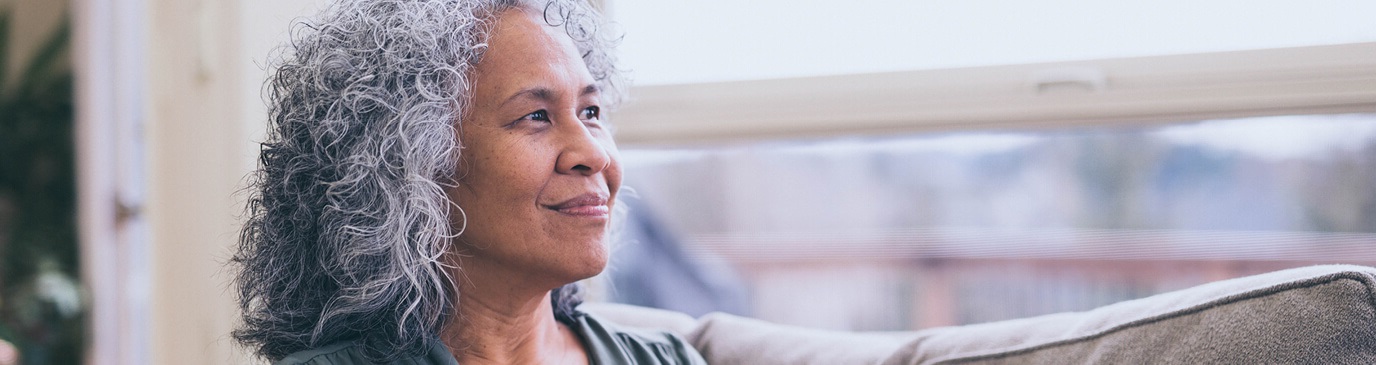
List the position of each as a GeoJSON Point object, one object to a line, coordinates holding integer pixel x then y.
{"type": "Point", "coordinates": [887, 233]}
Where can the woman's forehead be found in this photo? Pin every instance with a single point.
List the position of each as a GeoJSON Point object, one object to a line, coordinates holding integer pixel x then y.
{"type": "Point", "coordinates": [519, 28]}
{"type": "Point", "coordinates": [523, 51]}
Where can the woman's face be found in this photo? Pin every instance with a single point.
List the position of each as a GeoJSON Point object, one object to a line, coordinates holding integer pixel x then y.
{"type": "Point", "coordinates": [538, 172]}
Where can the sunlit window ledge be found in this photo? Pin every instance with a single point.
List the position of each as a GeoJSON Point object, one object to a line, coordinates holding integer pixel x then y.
{"type": "Point", "coordinates": [1162, 89]}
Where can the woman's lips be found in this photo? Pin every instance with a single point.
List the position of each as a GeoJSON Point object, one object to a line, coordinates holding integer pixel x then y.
{"type": "Point", "coordinates": [586, 210]}
{"type": "Point", "coordinates": [586, 205]}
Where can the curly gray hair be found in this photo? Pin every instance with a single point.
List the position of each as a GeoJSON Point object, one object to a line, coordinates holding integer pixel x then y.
{"type": "Point", "coordinates": [348, 220]}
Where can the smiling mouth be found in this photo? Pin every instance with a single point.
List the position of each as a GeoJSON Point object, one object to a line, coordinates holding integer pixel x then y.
{"type": "Point", "coordinates": [586, 205]}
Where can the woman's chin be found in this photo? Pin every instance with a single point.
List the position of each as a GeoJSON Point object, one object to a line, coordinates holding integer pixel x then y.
{"type": "Point", "coordinates": [570, 268]}
{"type": "Point", "coordinates": [587, 267]}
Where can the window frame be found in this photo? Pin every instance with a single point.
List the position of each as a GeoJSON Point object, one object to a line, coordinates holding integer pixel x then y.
{"type": "Point", "coordinates": [1140, 90]}
{"type": "Point", "coordinates": [1137, 91]}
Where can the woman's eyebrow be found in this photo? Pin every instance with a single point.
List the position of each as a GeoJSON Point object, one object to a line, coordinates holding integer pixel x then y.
{"type": "Point", "coordinates": [590, 89]}
{"type": "Point", "coordinates": [538, 93]}
{"type": "Point", "coordinates": [546, 94]}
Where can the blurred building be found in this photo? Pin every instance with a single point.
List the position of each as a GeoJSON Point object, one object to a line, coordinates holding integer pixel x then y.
{"type": "Point", "coordinates": [898, 233]}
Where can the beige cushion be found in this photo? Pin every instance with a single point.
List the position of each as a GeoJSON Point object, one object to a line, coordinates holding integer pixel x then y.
{"type": "Point", "coordinates": [642, 317]}
{"type": "Point", "coordinates": [1319, 314]}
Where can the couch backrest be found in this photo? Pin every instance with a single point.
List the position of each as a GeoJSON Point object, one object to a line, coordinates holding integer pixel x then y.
{"type": "Point", "coordinates": [1318, 314]}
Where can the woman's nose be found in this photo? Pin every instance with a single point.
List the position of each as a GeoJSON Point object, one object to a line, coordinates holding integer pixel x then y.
{"type": "Point", "coordinates": [582, 153]}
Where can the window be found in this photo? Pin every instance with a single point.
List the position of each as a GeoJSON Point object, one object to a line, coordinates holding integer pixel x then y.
{"type": "Point", "coordinates": [903, 232]}
{"type": "Point", "coordinates": [899, 165]}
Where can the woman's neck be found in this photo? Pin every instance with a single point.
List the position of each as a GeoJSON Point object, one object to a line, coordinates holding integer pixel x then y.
{"type": "Point", "coordinates": [498, 328]}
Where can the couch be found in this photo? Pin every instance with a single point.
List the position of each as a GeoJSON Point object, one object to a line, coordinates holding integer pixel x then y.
{"type": "Point", "coordinates": [1311, 315]}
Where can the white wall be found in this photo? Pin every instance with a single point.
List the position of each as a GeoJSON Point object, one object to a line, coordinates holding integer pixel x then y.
{"type": "Point", "coordinates": [206, 66]}
{"type": "Point", "coordinates": [680, 41]}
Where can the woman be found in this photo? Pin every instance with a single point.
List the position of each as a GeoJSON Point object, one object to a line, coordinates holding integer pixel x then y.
{"type": "Point", "coordinates": [436, 175]}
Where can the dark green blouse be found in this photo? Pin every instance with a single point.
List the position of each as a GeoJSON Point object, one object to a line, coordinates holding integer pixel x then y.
{"type": "Point", "coordinates": [606, 344]}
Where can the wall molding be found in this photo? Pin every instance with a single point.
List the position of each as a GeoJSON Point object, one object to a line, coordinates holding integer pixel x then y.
{"type": "Point", "coordinates": [1160, 89]}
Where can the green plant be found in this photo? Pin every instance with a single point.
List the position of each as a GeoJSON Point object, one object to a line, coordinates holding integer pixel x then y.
{"type": "Point", "coordinates": [40, 308]}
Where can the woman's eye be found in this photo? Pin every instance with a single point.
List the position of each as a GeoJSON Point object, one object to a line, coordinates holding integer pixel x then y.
{"type": "Point", "coordinates": [590, 113]}
{"type": "Point", "coordinates": [539, 116]}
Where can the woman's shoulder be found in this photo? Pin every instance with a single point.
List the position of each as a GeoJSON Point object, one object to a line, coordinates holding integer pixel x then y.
{"type": "Point", "coordinates": [350, 353]}
{"type": "Point", "coordinates": [609, 343]}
